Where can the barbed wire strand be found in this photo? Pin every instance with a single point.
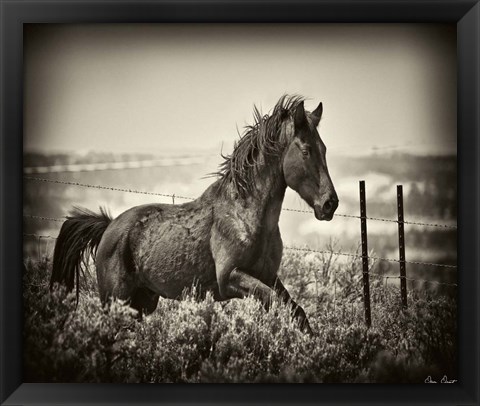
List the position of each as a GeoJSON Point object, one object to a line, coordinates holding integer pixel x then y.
{"type": "Point", "coordinates": [418, 280]}
{"type": "Point", "coordinates": [173, 196]}
{"type": "Point", "coordinates": [48, 237]}
{"type": "Point", "coordinates": [370, 257]}
{"type": "Point", "coordinates": [305, 249]}
{"type": "Point", "coordinates": [45, 218]}
{"type": "Point", "coordinates": [286, 209]}
{"type": "Point", "coordinates": [378, 219]}
{"type": "Point", "coordinates": [63, 182]}
{"type": "Point", "coordinates": [387, 277]}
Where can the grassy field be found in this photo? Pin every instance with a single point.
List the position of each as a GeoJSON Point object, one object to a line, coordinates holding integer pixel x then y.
{"type": "Point", "coordinates": [199, 340]}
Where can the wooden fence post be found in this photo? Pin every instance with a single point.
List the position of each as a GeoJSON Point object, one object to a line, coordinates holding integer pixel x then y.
{"type": "Point", "coordinates": [401, 247]}
{"type": "Point", "coordinates": [366, 281]}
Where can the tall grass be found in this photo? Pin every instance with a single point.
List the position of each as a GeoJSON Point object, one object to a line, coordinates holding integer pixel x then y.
{"type": "Point", "coordinates": [199, 340]}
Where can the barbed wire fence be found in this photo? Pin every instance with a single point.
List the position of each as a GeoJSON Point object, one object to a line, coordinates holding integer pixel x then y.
{"type": "Point", "coordinates": [173, 196]}
{"type": "Point", "coordinates": [402, 277]}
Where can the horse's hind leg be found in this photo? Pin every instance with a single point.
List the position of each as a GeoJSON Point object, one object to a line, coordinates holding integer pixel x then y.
{"type": "Point", "coordinates": [116, 273]}
{"type": "Point", "coordinates": [144, 300]}
{"type": "Point", "coordinates": [115, 280]}
{"type": "Point", "coordinates": [118, 277]}
{"type": "Point", "coordinates": [112, 286]}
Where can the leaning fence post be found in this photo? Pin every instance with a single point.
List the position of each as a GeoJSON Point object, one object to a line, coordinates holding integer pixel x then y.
{"type": "Point", "coordinates": [366, 282]}
{"type": "Point", "coordinates": [401, 247]}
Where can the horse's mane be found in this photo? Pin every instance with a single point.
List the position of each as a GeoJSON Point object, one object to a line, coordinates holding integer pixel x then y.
{"type": "Point", "coordinates": [261, 139]}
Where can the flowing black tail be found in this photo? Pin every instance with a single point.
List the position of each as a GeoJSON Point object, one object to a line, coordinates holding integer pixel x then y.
{"type": "Point", "coordinates": [78, 239]}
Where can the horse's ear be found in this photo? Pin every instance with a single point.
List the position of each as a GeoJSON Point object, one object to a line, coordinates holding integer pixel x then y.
{"type": "Point", "coordinates": [299, 118]}
{"type": "Point", "coordinates": [317, 114]}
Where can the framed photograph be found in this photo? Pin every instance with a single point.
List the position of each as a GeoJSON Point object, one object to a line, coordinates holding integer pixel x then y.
{"type": "Point", "coordinates": [226, 193]}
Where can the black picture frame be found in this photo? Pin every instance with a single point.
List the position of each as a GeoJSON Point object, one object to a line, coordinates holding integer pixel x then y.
{"type": "Point", "coordinates": [14, 13]}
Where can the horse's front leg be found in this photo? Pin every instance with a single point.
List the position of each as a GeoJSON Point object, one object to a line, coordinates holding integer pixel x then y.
{"type": "Point", "coordinates": [297, 311]}
{"type": "Point", "coordinates": [231, 269]}
{"type": "Point", "coordinates": [234, 282]}
{"type": "Point", "coordinates": [237, 283]}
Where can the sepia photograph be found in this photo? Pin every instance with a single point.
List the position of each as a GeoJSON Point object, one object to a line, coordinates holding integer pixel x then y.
{"type": "Point", "coordinates": [240, 203]}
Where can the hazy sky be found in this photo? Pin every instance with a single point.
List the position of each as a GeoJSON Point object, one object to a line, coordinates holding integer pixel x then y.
{"type": "Point", "coordinates": [153, 88]}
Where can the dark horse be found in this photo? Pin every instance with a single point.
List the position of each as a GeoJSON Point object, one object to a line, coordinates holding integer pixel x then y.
{"type": "Point", "coordinates": [227, 241]}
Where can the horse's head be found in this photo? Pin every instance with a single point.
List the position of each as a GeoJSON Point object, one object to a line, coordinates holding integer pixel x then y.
{"type": "Point", "coordinates": [305, 166]}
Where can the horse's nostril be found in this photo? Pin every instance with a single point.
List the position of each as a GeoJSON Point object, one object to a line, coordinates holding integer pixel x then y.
{"type": "Point", "coordinates": [327, 206]}
{"type": "Point", "coordinates": [330, 205]}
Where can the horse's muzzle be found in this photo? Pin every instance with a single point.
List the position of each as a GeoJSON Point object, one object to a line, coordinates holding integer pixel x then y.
{"type": "Point", "coordinates": [326, 211]}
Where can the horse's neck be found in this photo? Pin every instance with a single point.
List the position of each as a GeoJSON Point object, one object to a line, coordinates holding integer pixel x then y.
{"type": "Point", "coordinates": [265, 204]}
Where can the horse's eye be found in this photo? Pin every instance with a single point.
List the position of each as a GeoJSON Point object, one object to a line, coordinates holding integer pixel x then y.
{"type": "Point", "coordinates": [305, 152]}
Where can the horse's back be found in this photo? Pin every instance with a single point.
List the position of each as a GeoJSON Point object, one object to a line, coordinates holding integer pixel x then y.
{"type": "Point", "coordinates": [117, 234]}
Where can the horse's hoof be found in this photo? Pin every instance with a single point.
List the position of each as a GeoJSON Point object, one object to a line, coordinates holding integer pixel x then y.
{"type": "Point", "coordinates": [305, 328]}
{"type": "Point", "coordinates": [308, 331]}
